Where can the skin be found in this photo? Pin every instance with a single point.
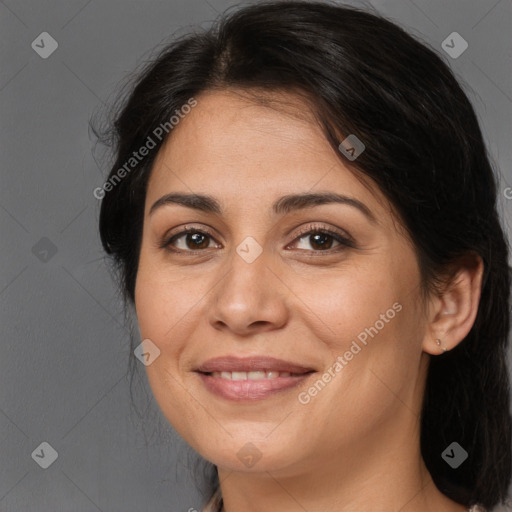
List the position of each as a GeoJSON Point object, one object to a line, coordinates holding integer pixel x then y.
{"type": "Point", "coordinates": [355, 445]}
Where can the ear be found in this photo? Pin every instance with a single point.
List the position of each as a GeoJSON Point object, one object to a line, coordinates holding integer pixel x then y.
{"type": "Point", "coordinates": [453, 312]}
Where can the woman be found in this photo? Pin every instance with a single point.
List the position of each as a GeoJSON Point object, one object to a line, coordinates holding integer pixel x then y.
{"type": "Point", "coordinates": [304, 217]}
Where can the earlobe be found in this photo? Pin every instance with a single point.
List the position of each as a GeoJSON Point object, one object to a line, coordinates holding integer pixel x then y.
{"type": "Point", "coordinates": [439, 343]}
{"type": "Point", "coordinates": [456, 308]}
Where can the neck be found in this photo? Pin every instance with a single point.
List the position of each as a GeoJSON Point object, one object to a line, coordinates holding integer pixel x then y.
{"type": "Point", "coordinates": [385, 472]}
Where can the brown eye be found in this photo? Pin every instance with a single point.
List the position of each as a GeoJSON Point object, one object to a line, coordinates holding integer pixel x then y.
{"type": "Point", "coordinates": [322, 239]}
{"type": "Point", "coordinates": [189, 240]}
{"type": "Point", "coordinates": [197, 241]}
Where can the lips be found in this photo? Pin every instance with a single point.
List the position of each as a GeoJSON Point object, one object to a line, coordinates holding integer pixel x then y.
{"type": "Point", "coordinates": [251, 364]}
{"type": "Point", "coordinates": [252, 375]}
{"type": "Point", "coordinates": [251, 378]}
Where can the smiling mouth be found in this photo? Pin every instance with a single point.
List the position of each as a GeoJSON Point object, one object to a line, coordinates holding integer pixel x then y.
{"type": "Point", "coordinates": [252, 386]}
{"type": "Point", "coordinates": [253, 375]}
{"type": "Point", "coordinates": [252, 380]}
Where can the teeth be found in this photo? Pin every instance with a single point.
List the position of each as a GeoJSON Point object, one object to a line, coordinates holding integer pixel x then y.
{"type": "Point", "coordinates": [257, 375]}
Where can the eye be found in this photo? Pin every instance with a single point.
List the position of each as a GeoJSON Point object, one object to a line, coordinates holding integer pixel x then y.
{"type": "Point", "coordinates": [322, 239]}
{"type": "Point", "coordinates": [188, 240]}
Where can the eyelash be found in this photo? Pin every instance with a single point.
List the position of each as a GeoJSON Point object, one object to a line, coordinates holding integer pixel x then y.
{"type": "Point", "coordinates": [344, 241]}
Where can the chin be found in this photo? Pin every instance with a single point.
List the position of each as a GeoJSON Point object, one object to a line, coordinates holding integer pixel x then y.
{"type": "Point", "coordinates": [246, 455]}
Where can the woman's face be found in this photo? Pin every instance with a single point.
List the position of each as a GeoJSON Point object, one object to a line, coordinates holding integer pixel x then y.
{"type": "Point", "coordinates": [258, 277]}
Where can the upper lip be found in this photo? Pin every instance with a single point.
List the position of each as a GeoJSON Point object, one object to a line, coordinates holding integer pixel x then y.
{"type": "Point", "coordinates": [250, 364]}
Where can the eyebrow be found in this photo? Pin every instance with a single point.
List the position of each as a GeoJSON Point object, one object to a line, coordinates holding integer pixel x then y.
{"type": "Point", "coordinates": [283, 205]}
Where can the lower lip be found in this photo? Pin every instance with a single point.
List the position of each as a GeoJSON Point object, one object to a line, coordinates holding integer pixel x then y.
{"type": "Point", "coordinates": [250, 390]}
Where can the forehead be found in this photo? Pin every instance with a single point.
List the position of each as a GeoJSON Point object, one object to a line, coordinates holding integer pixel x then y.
{"type": "Point", "coordinates": [240, 149]}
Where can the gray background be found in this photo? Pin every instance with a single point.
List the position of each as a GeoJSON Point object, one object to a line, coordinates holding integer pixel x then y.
{"type": "Point", "coordinates": [65, 343]}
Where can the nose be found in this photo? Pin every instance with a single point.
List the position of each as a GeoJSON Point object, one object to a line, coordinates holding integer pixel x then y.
{"type": "Point", "coordinates": [249, 298]}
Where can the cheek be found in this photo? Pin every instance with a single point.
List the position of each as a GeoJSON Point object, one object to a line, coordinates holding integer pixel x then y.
{"type": "Point", "coordinates": [163, 303]}
{"type": "Point", "coordinates": [163, 309]}
{"type": "Point", "coordinates": [370, 317]}
{"type": "Point", "coordinates": [153, 306]}
{"type": "Point", "coordinates": [344, 302]}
